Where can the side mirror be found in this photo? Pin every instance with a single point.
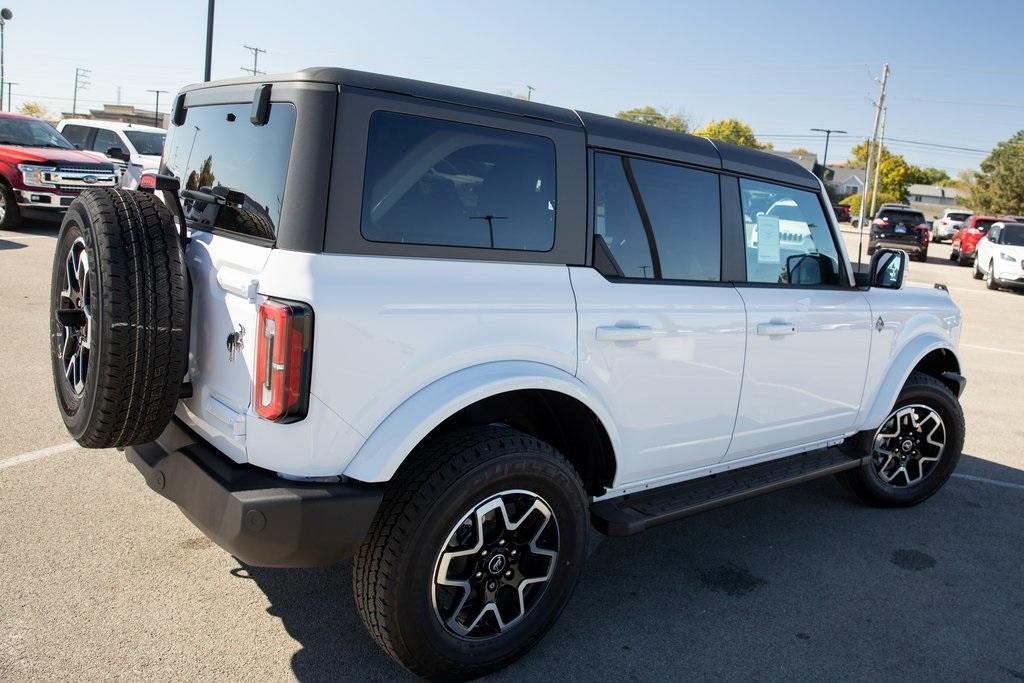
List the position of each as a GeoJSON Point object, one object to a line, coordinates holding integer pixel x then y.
{"type": "Point", "coordinates": [888, 268]}
{"type": "Point", "coordinates": [810, 269]}
{"type": "Point", "coordinates": [78, 145]}
{"type": "Point", "coordinates": [118, 153]}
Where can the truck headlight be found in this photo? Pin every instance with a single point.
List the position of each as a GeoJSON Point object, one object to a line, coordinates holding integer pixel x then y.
{"type": "Point", "coordinates": [34, 176]}
{"type": "Point", "coordinates": [1006, 257]}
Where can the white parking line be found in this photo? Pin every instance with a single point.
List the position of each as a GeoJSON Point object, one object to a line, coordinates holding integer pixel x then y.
{"type": "Point", "coordinates": [992, 348]}
{"type": "Point", "coordinates": [37, 455]}
{"type": "Point", "coordinates": [994, 482]}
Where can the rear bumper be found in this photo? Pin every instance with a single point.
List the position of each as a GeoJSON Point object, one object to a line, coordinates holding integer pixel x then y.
{"type": "Point", "coordinates": [909, 247]}
{"type": "Point", "coordinates": [259, 518]}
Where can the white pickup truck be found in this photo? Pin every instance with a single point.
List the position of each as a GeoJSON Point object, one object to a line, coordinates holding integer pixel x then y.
{"type": "Point", "coordinates": [447, 333]}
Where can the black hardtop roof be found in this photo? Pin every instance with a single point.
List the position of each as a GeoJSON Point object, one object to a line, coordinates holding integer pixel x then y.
{"type": "Point", "coordinates": [602, 131]}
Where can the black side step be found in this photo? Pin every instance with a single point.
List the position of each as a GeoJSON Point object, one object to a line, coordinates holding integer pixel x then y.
{"type": "Point", "coordinates": [637, 512]}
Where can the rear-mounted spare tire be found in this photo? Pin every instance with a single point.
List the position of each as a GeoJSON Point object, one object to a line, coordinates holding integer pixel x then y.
{"type": "Point", "coordinates": [118, 318]}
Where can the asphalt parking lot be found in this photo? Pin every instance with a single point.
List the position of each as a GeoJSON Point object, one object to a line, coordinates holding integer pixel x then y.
{"type": "Point", "coordinates": [100, 578]}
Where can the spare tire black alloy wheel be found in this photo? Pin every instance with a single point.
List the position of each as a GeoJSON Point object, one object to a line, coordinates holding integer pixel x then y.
{"type": "Point", "coordinates": [73, 314]}
{"type": "Point", "coordinates": [118, 320]}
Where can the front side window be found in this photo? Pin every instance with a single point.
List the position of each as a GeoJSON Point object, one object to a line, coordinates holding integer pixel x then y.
{"type": "Point", "coordinates": [76, 135]}
{"type": "Point", "coordinates": [658, 220]}
{"type": "Point", "coordinates": [232, 172]}
{"type": "Point", "coordinates": [105, 139]}
{"type": "Point", "coordinates": [787, 237]}
{"type": "Point", "coordinates": [436, 182]}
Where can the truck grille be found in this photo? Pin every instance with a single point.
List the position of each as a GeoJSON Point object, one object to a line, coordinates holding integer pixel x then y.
{"type": "Point", "coordinates": [82, 176]}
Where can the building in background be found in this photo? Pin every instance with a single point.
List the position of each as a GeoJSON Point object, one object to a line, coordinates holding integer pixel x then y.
{"type": "Point", "coordinates": [808, 161]}
{"type": "Point", "coordinates": [932, 200]}
{"type": "Point", "coordinates": [125, 113]}
{"type": "Point", "coordinates": [844, 182]}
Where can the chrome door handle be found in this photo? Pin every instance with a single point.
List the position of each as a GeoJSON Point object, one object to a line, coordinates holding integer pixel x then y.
{"type": "Point", "coordinates": [617, 333]}
{"type": "Point", "coordinates": [774, 329]}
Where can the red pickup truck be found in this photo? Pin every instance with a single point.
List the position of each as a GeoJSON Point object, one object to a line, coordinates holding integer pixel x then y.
{"type": "Point", "coordinates": [41, 171]}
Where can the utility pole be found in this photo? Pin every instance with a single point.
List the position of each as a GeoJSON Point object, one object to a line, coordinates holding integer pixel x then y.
{"type": "Point", "coordinates": [255, 58]}
{"type": "Point", "coordinates": [5, 16]}
{"type": "Point", "coordinates": [529, 93]}
{"type": "Point", "coordinates": [10, 106]}
{"type": "Point", "coordinates": [156, 112]}
{"type": "Point", "coordinates": [119, 94]}
{"type": "Point", "coordinates": [80, 84]}
{"type": "Point", "coordinates": [871, 158]}
{"type": "Point", "coordinates": [828, 133]}
{"type": "Point", "coordinates": [209, 40]}
{"type": "Point", "coordinates": [881, 146]}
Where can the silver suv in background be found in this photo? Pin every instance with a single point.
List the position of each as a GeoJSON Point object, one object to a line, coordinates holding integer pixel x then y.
{"type": "Point", "coordinates": [951, 221]}
{"type": "Point", "coordinates": [132, 148]}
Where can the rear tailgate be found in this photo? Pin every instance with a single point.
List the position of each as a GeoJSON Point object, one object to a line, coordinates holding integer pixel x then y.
{"type": "Point", "coordinates": [233, 176]}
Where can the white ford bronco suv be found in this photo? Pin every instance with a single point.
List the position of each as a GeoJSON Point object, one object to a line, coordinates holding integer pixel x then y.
{"type": "Point", "coordinates": [447, 333]}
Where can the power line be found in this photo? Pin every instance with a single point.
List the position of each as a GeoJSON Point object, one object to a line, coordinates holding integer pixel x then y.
{"type": "Point", "coordinates": [255, 59]}
{"type": "Point", "coordinates": [828, 133]}
{"type": "Point", "coordinates": [156, 110]}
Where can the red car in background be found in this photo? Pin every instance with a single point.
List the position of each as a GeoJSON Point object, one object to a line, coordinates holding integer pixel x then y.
{"type": "Point", "coordinates": [965, 240]}
{"type": "Point", "coordinates": [41, 171]}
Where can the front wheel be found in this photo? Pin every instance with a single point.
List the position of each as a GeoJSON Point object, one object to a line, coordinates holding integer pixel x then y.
{"type": "Point", "coordinates": [474, 552]}
{"type": "Point", "coordinates": [976, 271]}
{"type": "Point", "coordinates": [915, 450]}
{"type": "Point", "coordinates": [990, 277]}
{"type": "Point", "coordinates": [10, 214]}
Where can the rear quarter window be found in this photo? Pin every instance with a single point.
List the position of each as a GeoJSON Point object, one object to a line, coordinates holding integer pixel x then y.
{"type": "Point", "coordinates": [436, 182]}
{"type": "Point", "coordinates": [232, 172]}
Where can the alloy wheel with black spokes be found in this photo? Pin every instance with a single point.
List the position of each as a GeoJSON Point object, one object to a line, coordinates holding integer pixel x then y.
{"type": "Point", "coordinates": [74, 315]}
{"type": "Point", "coordinates": [474, 552]}
{"type": "Point", "coordinates": [495, 564]}
{"type": "Point", "coordinates": [908, 445]}
{"type": "Point", "coordinates": [915, 450]}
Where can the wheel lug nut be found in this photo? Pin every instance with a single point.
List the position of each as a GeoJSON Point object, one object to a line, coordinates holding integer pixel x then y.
{"type": "Point", "coordinates": [484, 553]}
{"type": "Point", "coordinates": [491, 586]}
{"type": "Point", "coordinates": [508, 574]}
{"type": "Point", "coordinates": [479, 574]}
{"type": "Point", "coordinates": [501, 542]}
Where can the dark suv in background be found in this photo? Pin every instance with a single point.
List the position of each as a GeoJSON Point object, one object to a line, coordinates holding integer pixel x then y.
{"type": "Point", "coordinates": [900, 227]}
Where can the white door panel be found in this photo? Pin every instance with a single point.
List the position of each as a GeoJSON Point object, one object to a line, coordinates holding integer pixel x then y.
{"type": "Point", "coordinates": [668, 360]}
{"type": "Point", "coordinates": [803, 381]}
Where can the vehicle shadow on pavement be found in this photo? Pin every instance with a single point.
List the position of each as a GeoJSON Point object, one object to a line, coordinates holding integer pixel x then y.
{"type": "Point", "coordinates": [8, 244]}
{"type": "Point", "coordinates": [804, 584]}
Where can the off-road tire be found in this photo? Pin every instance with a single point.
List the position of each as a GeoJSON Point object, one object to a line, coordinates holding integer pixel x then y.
{"type": "Point", "coordinates": [864, 481]}
{"type": "Point", "coordinates": [12, 215]}
{"type": "Point", "coordinates": [393, 572]}
{"type": "Point", "coordinates": [139, 309]}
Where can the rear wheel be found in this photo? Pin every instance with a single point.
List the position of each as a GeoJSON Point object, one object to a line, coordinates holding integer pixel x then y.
{"type": "Point", "coordinates": [473, 554]}
{"type": "Point", "coordinates": [10, 213]}
{"type": "Point", "coordinates": [916, 448]}
{"type": "Point", "coordinates": [976, 270]}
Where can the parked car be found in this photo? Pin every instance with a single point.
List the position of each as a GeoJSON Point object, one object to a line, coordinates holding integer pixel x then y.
{"type": "Point", "coordinates": [951, 221]}
{"type": "Point", "coordinates": [1000, 256]}
{"type": "Point", "coordinates": [132, 148]}
{"type": "Point", "coordinates": [842, 212]}
{"type": "Point", "coordinates": [42, 172]}
{"type": "Point", "coordinates": [464, 328]}
{"type": "Point", "coordinates": [900, 227]}
{"type": "Point", "coordinates": [967, 237]}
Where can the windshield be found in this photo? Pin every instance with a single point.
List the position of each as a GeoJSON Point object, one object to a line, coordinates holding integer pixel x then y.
{"type": "Point", "coordinates": [1012, 235]}
{"type": "Point", "coordinates": [905, 217]}
{"type": "Point", "coordinates": [958, 216]}
{"type": "Point", "coordinates": [31, 133]}
{"type": "Point", "coordinates": [146, 143]}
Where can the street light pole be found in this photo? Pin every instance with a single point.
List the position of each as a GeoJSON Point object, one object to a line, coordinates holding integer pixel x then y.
{"type": "Point", "coordinates": [5, 16]}
{"type": "Point", "coordinates": [156, 112]}
{"type": "Point", "coordinates": [529, 92]}
{"type": "Point", "coordinates": [10, 106]}
{"type": "Point", "coordinates": [828, 133]}
{"type": "Point", "coordinates": [209, 40]}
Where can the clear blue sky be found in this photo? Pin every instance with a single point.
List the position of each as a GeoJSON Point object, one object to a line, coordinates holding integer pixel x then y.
{"type": "Point", "coordinates": [782, 66]}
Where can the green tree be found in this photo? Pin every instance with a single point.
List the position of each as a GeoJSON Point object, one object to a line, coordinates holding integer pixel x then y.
{"type": "Point", "coordinates": [803, 151]}
{"type": "Point", "coordinates": [36, 109]}
{"type": "Point", "coordinates": [930, 176]}
{"type": "Point", "coordinates": [734, 131]}
{"type": "Point", "coordinates": [656, 117]}
{"type": "Point", "coordinates": [998, 186]}
{"type": "Point", "coordinates": [859, 154]}
{"type": "Point", "coordinates": [854, 200]}
{"type": "Point", "coordinates": [894, 176]}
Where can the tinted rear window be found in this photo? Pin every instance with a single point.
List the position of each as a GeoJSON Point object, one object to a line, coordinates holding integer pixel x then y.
{"type": "Point", "coordinates": [436, 182]}
{"type": "Point", "coordinates": [958, 216]}
{"type": "Point", "coordinates": [913, 217]}
{"type": "Point", "coordinates": [219, 153]}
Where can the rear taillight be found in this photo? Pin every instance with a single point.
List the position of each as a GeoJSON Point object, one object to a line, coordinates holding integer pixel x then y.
{"type": "Point", "coordinates": [925, 231]}
{"type": "Point", "coordinates": [284, 356]}
{"type": "Point", "coordinates": [147, 182]}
